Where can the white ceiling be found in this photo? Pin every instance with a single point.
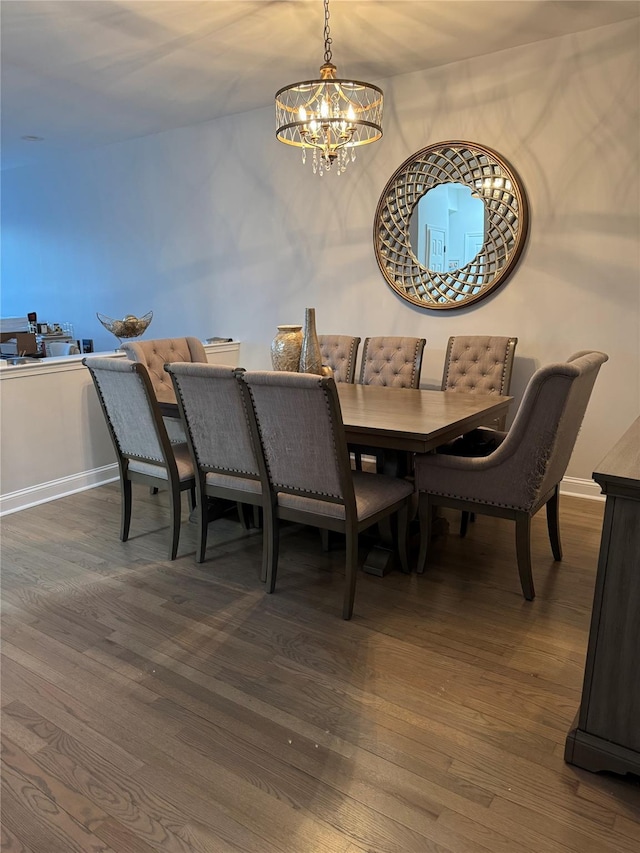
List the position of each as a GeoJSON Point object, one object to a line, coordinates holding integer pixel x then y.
{"type": "Point", "coordinates": [85, 73]}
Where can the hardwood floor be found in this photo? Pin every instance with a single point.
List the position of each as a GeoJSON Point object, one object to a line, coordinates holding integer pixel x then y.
{"type": "Point", "coordinates": [156, 706]}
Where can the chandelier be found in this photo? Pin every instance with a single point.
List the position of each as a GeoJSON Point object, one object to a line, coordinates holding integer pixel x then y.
{"type": "Point", "coordinates": [330, 117]}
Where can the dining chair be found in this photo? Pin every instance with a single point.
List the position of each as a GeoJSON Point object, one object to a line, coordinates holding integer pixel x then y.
{"type": "Point", "coordinates": [298, 421]}
{"type": "Point", "coordinates": [523, 474]}
{"type": "Point", "coordinates": [394, 361]}
{"type": "Point", "coordinates": [223, 450]}
{"type": "Point", "coordinates": [339, 352]}
{"type": "Point", "coordinates": [477, 364]}
{"type": "Point", "coordinates": [143, 449]}
{"type": "Point", "coordinates": [154, 354]}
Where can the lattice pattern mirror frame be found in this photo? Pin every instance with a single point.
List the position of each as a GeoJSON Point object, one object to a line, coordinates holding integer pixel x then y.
{"type": "Point", "coordinates": [490, 178]}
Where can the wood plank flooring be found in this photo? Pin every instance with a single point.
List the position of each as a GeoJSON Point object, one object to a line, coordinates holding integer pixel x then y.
{"type": "Point", "coordinates": [157, 706]}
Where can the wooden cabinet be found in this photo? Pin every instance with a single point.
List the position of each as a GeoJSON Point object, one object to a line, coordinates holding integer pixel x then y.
{"type": "Point", "coordinates": [606, 734]}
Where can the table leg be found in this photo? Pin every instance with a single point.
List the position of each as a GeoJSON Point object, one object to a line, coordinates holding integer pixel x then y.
{"type": "Point", "coordinates": [382, 557]}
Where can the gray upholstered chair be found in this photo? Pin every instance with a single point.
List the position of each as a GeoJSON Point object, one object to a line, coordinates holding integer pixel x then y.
{"type": "Point", "coordinates": [299, 424]}
{"type": "Point", "coordinates": [523, 474]}
{"type": "Point", "coordinates": [392, 361]}
{"type": "Point", "coordinates": [143, 449]}
{"type": "Point", "coordinates": [213, 408]}
{"type": "Point", "coordinates": [339, 352]}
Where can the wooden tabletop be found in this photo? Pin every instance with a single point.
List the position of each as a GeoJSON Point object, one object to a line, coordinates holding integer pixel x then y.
{"type": "Point", "coordinates": [413, 420]}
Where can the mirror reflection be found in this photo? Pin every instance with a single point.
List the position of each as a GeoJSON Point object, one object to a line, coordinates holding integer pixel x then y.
{"type": "Point", "coordinates": [447, 227]}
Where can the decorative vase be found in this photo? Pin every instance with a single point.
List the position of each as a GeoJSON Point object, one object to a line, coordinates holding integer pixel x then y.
{"type": "Point", "coordinates": [286, 347]}
{"type": "Point", "coordinates": [310, 356]}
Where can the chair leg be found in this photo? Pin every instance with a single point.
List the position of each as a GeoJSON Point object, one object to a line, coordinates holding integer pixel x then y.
{"type": "Point", "coordinates": [425, 516]}
{"type": "Point", "coordinates": [464, 523]}
{"type": "Point", "coordinates": [358, 460]}
{"type": "Point", "coordinates": [153, 490]}
{"type": "Point", "coordinates": [351, 571]}
{"type": "Point", "coordinates": [202, 510]}
{"type": "Point", "coordinates": [125, 508]}
{"type": "Point", "coordinates": [403, 527]}
{"type": "Point", "coordinates": [176, 507]}
{"type": "Point", "coordinates": [245, 512]}
{"type": "Point", "coordinates": [553, 524]}
{"type": "Point", "coordinates": [324, 538]}
{"type": "Point", "coordinates": [192, 498]}
{"type": "Point", "coordinates": [523, 554]}
{"type": "Point", "coordinates": [271, 546]}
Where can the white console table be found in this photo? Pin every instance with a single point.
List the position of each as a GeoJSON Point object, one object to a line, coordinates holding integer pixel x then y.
{"type": "Point", "coordinates": [54, 438]}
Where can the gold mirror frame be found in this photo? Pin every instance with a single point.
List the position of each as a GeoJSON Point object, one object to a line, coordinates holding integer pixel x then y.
{"type": "Point", "coordinates": [507, 224]}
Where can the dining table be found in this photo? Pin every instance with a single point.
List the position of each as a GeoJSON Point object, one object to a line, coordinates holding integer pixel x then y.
{"type": "Point", "coordinates": [413, 419]}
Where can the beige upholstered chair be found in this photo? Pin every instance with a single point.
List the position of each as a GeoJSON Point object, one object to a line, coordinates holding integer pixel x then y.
{"type": "Point", "coordinates": [392, 361]}
{"type": "Point", "coordinates": [213, 407]}
{"type": "Point", "coordinates": [339, 352]}
{"type": "Point", "coordinates": [479, 364]}
{"type": "Point", "coordinates": [155, 354]}
{"type": "Point", "coordinates": [143, 449]}
{"type": "Point", "coordinates": [299, 424]}
{"type": "Point", "coordinates": [523, 474]}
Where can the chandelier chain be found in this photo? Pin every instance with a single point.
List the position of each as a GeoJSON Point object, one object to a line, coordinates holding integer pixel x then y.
{"type": "Point", "coordinates": [327, 33]}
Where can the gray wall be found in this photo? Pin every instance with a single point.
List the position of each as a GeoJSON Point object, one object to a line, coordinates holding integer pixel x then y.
{"type": "Point", "coordinates": [221, 231]}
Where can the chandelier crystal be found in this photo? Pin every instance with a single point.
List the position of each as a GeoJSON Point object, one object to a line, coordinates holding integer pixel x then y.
{"type": "Point", "coordinates": [329, 117]}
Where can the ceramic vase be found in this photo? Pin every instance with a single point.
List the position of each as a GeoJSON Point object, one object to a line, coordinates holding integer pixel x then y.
{"type": "Point", "coordinates": [286, 348]}
{"type": "Point", "coordinates": [310, 356]}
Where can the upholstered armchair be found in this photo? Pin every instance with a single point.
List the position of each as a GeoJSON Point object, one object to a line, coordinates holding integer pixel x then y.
{"type": "Point", "coordinates": [392, 361]}
{"type": "Point", "coordinates": [339, 352]}
{"type": "Point", "coordinates": [213, 407]}
{"type": "Point", "coordinates": [523, 474]}
{"type": "Point", "coordinates": [298, 422]}
{"type": "Point", "coordinates": [143, 449]}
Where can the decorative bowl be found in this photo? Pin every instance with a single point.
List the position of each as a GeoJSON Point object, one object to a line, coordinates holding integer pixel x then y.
{"type": "Point", "coordinates": [129, 327]}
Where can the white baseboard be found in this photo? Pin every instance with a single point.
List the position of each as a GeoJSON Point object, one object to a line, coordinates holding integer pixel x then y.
{"type": "Point", "coordinates": [44, 492]}
{"type": "Point", "coordinates": [580, 488]}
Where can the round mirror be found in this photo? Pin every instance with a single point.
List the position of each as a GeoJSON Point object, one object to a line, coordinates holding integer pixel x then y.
{"type": "Point", "coordinates": [450, 225]}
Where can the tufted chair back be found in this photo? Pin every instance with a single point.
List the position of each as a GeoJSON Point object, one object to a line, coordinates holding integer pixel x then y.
{"type": "Point", "coordinates": [392, 361]}
{"type": "Point", "coordinates": [479, 364]}
{"type": "Point", "coordinates": [155, 354]}
{"type": "Point", "coordinates": [339, 352]}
